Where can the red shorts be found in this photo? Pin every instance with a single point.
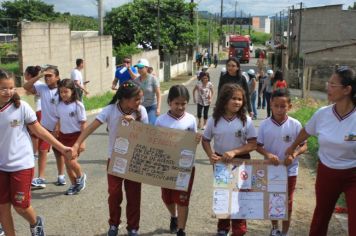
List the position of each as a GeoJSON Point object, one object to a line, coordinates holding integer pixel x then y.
{"type": "Point", "coordinates": [292, 181]}
{"type": "Point", "coordinates": [16, 187]}
{"type": "Point", "coordinates": [45, 146]}
{"type": "Point", "coordinates": [68, 139]}
{"type": "Point", "coordinates": [181, 198]}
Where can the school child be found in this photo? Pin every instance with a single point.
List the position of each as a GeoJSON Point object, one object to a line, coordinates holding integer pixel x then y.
{"type": "Point", "coordinates": [275, 135]}
{"type": "Point", "coordinates": [177, 202]}
{"type": "Point", "coordinates": [234, 137]}
{"type": "Point", "coordinates": [16, 157]}
{"type": "Point", "coordinates": [124, 105]}
{"type": "Point", "coordinates": [49, 99]}
{"type": "Point", "coordinates": [30, 72]}
{"type": "Point", "coordinates": [205, 95]}
{"type": "Point", "coordinates": [279, 81]}
{"type": "Point", "coordinates": [72, 120]}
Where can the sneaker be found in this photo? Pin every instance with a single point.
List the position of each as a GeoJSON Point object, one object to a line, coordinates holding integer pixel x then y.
{"type": "Point", "coordinates": [275, 232]}
{"type": "Point", "coordinates": [132, 232]}
{"type": "Point", "coordinates": [180, 232]}
{"type": "Point", "coordinates": [72, 190]}
{"type": "Point", "coordinates": [81, 182]}
{"type": "Point", "coordinates": [113, 231]}
{"type": "Point", "coordinates": [61, 180]}
{"type": "Point", "coordinates": [222, 233]}
{"type": "Point", "coordinates": [173, 226]}
{"type": "Point", "coordinates": [38, 230]}
{"type": "Point", "coordinates": [38, 183]}
{"type": "Point", "coordinates": [2, 232]}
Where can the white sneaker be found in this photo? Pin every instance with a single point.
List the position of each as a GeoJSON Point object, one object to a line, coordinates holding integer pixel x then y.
{"type": "Point", "coordinates": [38, 183]}
{"type": "Point", "coordinates": [275, 232]}
{"type": "Point", "coordinates": [61, 180]}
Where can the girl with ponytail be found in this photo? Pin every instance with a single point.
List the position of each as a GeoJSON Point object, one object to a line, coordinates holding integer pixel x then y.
{"type": "Point", "coordinates": [16, 157]}
{"type": "Point", "coordinates": [124, 105]}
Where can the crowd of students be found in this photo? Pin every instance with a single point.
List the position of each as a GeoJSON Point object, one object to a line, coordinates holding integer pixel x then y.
{"type": "Point", "coordinates": [280, 138]}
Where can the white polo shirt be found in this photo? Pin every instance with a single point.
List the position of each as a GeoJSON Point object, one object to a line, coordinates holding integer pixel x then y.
{"type": "Point", "coordinates": [15, 142]}
{"type": "Point", "coordinates": [38, 98]}
{"type": "Point", "coordinates": [276, 138]}
{"type": "Point", "coordinates": [70, 116]}
{"type": "Point", "coordinates": [76, 75]}
{"type": "Point", "coordinates": [49, 101]}
{"type": "Point", "coordinates": [229, 134]}
{"type": "Point", "coordinates": [186, 122]}
{"type": "Point", "coordinates": [336, 149]}
{"type": "Point", "coordinates": [111, 115]}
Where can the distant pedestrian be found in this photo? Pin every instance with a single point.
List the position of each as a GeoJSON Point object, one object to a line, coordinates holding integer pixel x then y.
{"type": "Point", "coordinates": [77, 77]}
{"type": "Point", "coordinates": [252, 89]}
{"type": "Point", "coordinates": [49, 100]}
{"type": "Point", "coordinates": [335, 128]}
{"type": "Point", "coordinates": [124, 72]}
{"type": "Point", "coordinates": [72, 121]}
{"type": "Point", "coordinates": [261, 103]}
{"type": "Point", "coordinates": [279, 81]}
{"type": "Point", "coordinates": [234, 75]}
{"type": "Point", "coordinates": [177, 202]}
{"type": "Point", "coordinates": [216, 60]}
{"type": "Point", "coordinates": [275, 135]}
{"type": "Point", "coordinates": [151, 90]}
{"type": "Point", "coordinates": [205, 95]}
{"type": "Point", "coordinates": [268, 88]}
{"type": "Point", "coordinates": [124, 105]}
{"type": "Point", "coordinates": [16, 157]}
{"type": "Point", "coordinates": [234, 136]}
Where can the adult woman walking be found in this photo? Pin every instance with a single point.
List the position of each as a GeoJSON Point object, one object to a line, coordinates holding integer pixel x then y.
{"type": "Point", "coordinates": [268, 88]}
{"type": "Point", "coordinates": [233, 75]}
{"type": "Point", "coordinates": [151, 91]}
{"type": "Point", "coordinates": [335, 127]}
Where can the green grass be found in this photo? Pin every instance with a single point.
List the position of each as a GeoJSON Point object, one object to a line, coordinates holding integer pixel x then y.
{"type": "Point", "coordinates": [96, 102]}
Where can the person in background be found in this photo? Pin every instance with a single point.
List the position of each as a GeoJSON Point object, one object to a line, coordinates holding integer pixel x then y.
{"type": "Point", "coordinates": [77, 77]}
{"type": "Point", "coordinates": [216, 60]}
{"type": "Point", "coordinates": [268, 87]}
{"type": "Point", "coordinates": [261, 93]}
{"type": "Point", "coordinates": [124, 73]}
{"type": "Point", "coordinates": [252, 89]}
{"type": "Point", "coordinates": [151, 91]}
{"type": "Point", "coordinates": [279, 81]}
{"type": "Point", "coordinates": [335, 127]}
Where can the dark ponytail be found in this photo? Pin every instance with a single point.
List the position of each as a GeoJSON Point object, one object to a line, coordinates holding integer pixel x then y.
{"type": "Point", "coordinates": [15, 97]}
{"type": "Point", "coordinates": [33, 71]}
{"type": "Point", "coordinates": [127, 90]}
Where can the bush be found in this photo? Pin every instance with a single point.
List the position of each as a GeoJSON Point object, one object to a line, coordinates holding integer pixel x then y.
{"type": "Point", "coordinates": [125, 50]}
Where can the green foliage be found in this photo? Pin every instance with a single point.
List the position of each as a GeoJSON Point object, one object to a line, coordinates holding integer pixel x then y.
{"type": "Point", "coordinates": [13, 67]}
{"type": "Point", "coordinates": [125, 50]}
{"type": "Point", "coordinates": [258, 38]}
{"type": "Point", "coordinates": [6, 48]}
{"type": "Point", "coordinates": [80, 23]}
{"type": "Point", "coordinates": [352, 7]}
{"type": "Point", "coordinates": [136, 22]}
{"type": "Point", "coordinates": [203, 34]}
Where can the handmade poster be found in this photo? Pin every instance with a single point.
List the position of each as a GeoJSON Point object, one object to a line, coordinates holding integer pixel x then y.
{"type": "Point", "coordinates": [250, 189]}
{"type": "Point", "coordinates": [153, 155]}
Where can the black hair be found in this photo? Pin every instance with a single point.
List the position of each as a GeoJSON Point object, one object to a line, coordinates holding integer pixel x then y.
{"type": "Point", "coordinates": [281, 92]}
{"type": "Point", "coordinates": [55, 71]}
{"type": "Point", "coordinates": [79, 61]}
{"type": "Point", "coordinates": [33, 70]}
{"type": "Point", "coordinates": [127, 90]}
{"type": "Point", "coordinates": [177, 91]}
{"type": "Point", "coordinates": [69, 84]}
{"type": "Point", "coordinates": [15, 97]}
{"type": "Point", "coordinates": [278, 76]}
{"type": "Point", "coordinates": [348, 78]}
{"type": "Point", "coordinates": [202, 74]}
{"type": "Point", "coordinates": [226, 93]}
{"type": "Point", "coordinates": [234, 59]}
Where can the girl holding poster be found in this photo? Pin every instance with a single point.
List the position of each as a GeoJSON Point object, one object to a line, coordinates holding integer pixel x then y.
{"type": "Point", "coordinates": [124, 105]}
{"type": "Point", "coordinates": [176, 201]}
{"type": "Point", "coordinates": [234, 137]}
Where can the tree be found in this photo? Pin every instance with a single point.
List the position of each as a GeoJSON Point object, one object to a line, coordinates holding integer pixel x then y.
{"type": "Point", "coordinates": [352, 7]}
{"type": "Point", "coordinates": [136, 22]}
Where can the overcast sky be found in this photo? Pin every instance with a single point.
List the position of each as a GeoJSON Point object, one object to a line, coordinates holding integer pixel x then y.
{"type": "Point", "coordinates": [255, 7]}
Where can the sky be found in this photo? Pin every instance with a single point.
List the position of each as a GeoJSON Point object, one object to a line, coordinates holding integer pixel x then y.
{"type": "Point", "coordinates": [255, 7]}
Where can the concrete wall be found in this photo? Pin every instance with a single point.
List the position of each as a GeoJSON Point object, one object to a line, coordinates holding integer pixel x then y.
{"type": "Point", "coordinates": [51, 43]}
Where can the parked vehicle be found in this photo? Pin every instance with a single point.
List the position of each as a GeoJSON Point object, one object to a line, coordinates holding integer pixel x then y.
{"type": "Point", "coordinates": [239, 47]}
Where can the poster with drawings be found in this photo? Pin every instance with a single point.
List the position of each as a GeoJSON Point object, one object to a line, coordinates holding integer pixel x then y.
{"type": "Point", "coordinates": [250, 189]}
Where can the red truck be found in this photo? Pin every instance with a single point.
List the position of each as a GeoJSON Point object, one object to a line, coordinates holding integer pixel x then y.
{"type": "Point", "coordinates": [239, 47]}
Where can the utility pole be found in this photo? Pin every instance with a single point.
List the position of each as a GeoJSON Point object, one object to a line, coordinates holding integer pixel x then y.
{"type": "Point", "coordinates": [158, 25]}
{"type": "Point", "coordinates": [101, 16]}
{"type": "Point", "coordinates": [298, 52]}
{"type": "Point", "coordinates": [221, 23]}
{"type": "Point", "coordinates": [249, 24]}
{"type": "Point", "coordinates": [235, 17]}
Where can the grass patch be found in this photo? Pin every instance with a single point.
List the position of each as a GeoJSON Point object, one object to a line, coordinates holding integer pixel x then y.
{"type": "Point", "coordinates": [99, 101]}
{"type": "Point", "coordinates": [13, 67]}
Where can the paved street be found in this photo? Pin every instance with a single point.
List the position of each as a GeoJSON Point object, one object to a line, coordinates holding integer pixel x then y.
{"type": "Point", "coordinates": [87, 213]}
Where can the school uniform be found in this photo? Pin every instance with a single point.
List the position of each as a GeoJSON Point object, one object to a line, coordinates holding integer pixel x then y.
{"type": "Point", "coordinates": [229, 134]}
{"type": "Point", "coordinates": [70, 116]}
{"type": "Point", "coordinates": [276, 138]}
{"type": "Point", "coordinates": [49, 101]}
{"type": "Point", "coordinates": [111, 115]}
{"type": "Point", "coordinates": [16, 156]}
{"type": "Point", "coordinates": [336, 171]}
{"type": "Point", "coordinates": [185, 122]}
